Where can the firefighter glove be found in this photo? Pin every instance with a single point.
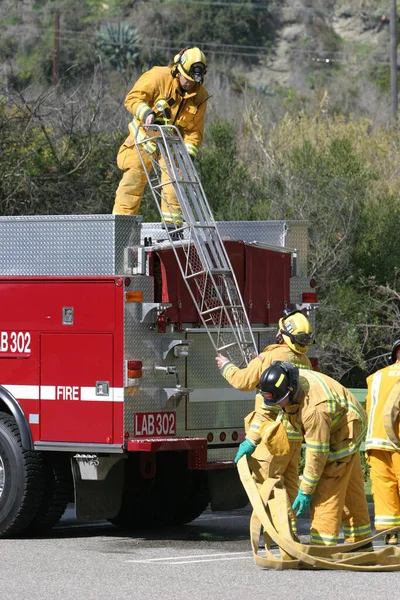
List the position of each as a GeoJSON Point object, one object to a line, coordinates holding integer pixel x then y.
{"type": "Point", "coordinates": [301, 503]}
{"type": "Point", "coordinates": [246, 448]}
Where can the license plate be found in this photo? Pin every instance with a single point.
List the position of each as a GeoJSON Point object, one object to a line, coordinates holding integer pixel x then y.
{"type": "Point", "coordinates": [157, 424]}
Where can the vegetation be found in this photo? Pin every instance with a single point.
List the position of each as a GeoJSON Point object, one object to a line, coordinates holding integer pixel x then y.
{"type": "Point", "coordinates": [320, 147]}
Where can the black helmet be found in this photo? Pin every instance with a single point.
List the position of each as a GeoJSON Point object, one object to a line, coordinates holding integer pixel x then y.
{"type": "Point", "coordinates": [279, 380]}
{"type": "Point", "coordinates": [395, 346]}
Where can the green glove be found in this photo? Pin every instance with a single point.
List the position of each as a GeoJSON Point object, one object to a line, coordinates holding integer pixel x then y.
{"type": "Point", "coordinates": [302, 502]}
{"type": "Point", "coordinates": [246, 447]}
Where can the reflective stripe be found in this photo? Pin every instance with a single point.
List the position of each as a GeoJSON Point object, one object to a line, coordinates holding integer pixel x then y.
{"type": "Point", "coordinates": [139, 135]}
{"type": "Point", "coordinates": [350, 449]}
{"type": "Point", "coordinates": [23, 392]}
{"type": "Point", "coordinates": [173, 217]}
{"type": "Point", "coordinates": [316, 446]}
{"type": "Point", "coordinates": [142, 110]}
{"type": "Point", "coordinates": [227, 369]}
{"type": "Point", "coordinates": [48, 392]}
{"type": "Point", "coordinates": [323, 539]}
{"type": "Point", "coordinates": [193, 150]}
{"type": "Point", "coordinates": [310, 481]}
{"type": "Point", "coordinates": [376, 384]}
{"type": "Point", "coordinates": [293, 436]}
{"type": "Point", "coordinates": [387, 520]}
{"type": "Point", "coordinates": [255, 426]}
{"type": "Point", "coordinates": [360, 531]}
{"type": "Point", "coordinates": [378, 444]}
{"type": "Point", "coordinates": [332, 397]}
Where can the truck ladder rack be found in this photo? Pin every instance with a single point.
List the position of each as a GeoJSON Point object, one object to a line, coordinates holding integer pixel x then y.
{"type": "Point", "coordinates": [202, 259]}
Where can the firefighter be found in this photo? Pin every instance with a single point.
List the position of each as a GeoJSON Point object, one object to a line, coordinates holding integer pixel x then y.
{"type": "Point", "coordinates": [293, 337]}
{"type": "Point", "coordinates": [383, 458]}
{"type": "Point", "coordinates": [176, 95]}
{"type": "Point", "coordinates": [333, 423]}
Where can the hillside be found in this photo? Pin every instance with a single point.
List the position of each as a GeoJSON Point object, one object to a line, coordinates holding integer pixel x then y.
{"type": "Point", "coordinates": [285, 47]}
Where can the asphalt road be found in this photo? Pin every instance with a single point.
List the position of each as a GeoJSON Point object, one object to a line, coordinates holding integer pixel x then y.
{"type": "Point", "coordinates": [209, 559]}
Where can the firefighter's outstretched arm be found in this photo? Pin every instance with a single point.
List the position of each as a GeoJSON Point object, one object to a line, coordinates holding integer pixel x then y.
{"type": "Point", "coordinates": [245, 379]}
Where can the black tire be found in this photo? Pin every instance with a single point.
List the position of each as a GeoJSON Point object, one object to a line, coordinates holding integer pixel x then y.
{"type": "Point", "coordinates": [197, 499]}
{"type": "Point", "coordinates": [155, 502]}
{"type": "Point", "coordinates": [57, 494]}
{"type": "Point", "coordinates": [21, 480]}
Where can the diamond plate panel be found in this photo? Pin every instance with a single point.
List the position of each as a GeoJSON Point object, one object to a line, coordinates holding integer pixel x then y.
{"type": "Point", "coordinates": [144, 342]}
{"type": "Point", "coordinates": [206, 409]}
{"type": "Point", "coordinates": [265, 232]}
{"type": "Point", "coordinates": [66, 244]}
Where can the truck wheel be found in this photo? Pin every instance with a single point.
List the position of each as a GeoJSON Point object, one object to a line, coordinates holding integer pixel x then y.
{"type": "Point", "coordinates": [21, 480]}
{"type": "Point", "coordinates": [154, 502]}
{"type": "Point", "coordinates": [197, 500]}
{"type": "Point", "coordinates": [58, 493]}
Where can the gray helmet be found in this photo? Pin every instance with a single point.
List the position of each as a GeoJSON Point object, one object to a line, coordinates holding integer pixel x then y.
{"type": "Point", "coordinates": [395, 346]}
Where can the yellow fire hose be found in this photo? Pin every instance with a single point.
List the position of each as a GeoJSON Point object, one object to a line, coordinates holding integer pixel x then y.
{"type": "Point", "coordinates": [270, 516]}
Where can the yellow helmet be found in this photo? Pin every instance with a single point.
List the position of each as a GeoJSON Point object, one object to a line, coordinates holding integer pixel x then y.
{"type": "Point", "coordinates": [192, 64]}
{"type": "Point", "coordinates": [297, 331]}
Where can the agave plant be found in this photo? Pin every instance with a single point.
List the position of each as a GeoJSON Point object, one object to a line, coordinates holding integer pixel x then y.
{"type": "Point", "coordinates": [117, 42]}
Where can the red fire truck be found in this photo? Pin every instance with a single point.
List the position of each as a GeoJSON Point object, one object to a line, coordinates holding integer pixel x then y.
{"type": "Point", "coordinates": [110, 396]}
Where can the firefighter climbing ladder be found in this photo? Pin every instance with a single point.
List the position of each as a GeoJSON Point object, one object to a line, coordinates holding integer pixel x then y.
{"type": "Point", "coordinates": [200, 252]}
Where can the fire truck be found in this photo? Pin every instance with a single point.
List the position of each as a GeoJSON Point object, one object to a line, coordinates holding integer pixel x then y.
{"type": "Point", "coordinates": [109, 392]}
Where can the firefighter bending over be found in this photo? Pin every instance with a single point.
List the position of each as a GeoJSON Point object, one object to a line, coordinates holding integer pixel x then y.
{"type": "Point", "coordinates": [333, 423]}
{"type": "Point", "coordinates": [294, 337]}
{"type": "Point", "coordinates": [171, 95]}
{"type": "Point", "coordinates": [383, 457]}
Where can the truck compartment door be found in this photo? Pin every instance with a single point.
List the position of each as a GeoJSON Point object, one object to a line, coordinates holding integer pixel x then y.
{"type": "Point", "coordinates": [76, 387]}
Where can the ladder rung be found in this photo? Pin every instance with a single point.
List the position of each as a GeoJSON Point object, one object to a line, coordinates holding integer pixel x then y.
{"type": "Point", "coordinates": [221, 307]}
{"type": "Point", "coordinates": [226, 346]}
{"type": "Point", "coordinates": [213, 271]}
{"type": "Point", "coordinates": [220, 271]}
{"type": "Point", "coordinates": [210, 310]}
{"type": "Point", "coordinates": [195, 274]}
{"type": "Point", "coordinates": [207, 226]}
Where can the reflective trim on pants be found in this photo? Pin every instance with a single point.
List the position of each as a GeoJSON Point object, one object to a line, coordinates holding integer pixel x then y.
{"type": "Point", "coordinates": [340, 499]}
{"type": "Point", "coordinates": [385, 478]}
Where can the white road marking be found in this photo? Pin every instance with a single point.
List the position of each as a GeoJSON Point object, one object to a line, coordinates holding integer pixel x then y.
{"type": "Point", "coordinates": [189, 562]}
{"type": "Point", "coordinates": [207, 557]}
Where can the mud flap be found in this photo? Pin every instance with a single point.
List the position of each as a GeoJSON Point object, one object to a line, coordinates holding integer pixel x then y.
{"type": "Point", "coordinates": [97, 499]}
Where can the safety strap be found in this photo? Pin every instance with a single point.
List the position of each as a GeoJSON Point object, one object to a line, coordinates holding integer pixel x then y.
{"type": "Point", "coordinates": [270, 517]}
{"type": "Point", "coordinates": [391, 411]}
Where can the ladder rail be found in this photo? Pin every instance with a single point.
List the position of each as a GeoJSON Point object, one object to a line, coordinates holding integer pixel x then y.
{"type": "Point", "coordinates": [219, 301]}
{"type": "Point", "coordinates": [188, 214]}
{"type": "Point", "coordinates": [236, 321]}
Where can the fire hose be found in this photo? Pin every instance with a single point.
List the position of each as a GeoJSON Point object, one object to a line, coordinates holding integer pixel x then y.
{"type": "Point", "coordinates": [270, 517]}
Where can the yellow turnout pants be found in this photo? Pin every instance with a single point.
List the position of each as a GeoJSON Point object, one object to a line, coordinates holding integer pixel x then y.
{"type": "Point", "coordinates": [130, 190]}
{"type": "Point", "coordinates": [340, 499]}
{"type": "Point", "coordinates": [385, 479]}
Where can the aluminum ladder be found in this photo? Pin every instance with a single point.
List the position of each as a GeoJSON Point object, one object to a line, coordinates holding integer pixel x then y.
{"type": "Point", "coordinates": [197, 244]}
